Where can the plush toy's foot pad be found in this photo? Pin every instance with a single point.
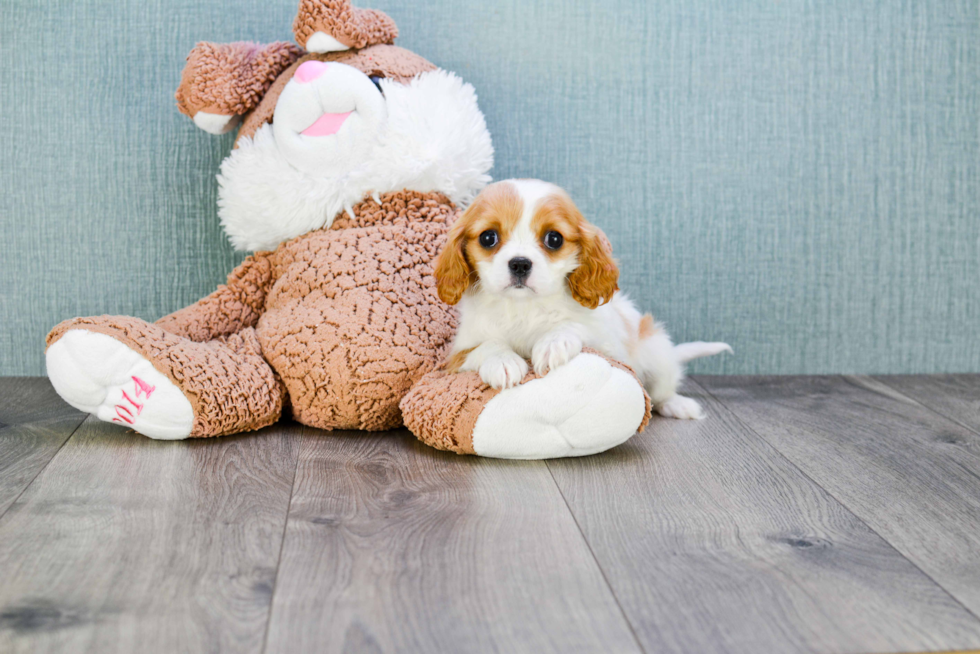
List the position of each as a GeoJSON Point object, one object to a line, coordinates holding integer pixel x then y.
{"type": "Point", "coordinates": [199, 389]}
{"type": "Point", "coordinates": [589, 405]}
{"type": "Point", "coordinates": [583, 407]}
{"type": "Point", "coordinates": [97, 374]}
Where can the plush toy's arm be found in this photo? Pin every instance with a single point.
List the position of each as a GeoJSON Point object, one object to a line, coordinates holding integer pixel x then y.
{"type": "Point", "coordinates": [223, 81]}
{"type": "Point", "coordinates": [229, 309]}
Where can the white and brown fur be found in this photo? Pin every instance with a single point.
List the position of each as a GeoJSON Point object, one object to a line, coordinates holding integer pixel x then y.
{"type": "Point", "coordinates": [569, 299]}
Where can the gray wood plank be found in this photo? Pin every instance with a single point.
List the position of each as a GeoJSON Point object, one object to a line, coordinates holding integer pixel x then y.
{"type": "Point", "coordinates": [34, 424]}
{"type": "Point", "coordinates": [714, 542]}
{"type": "Point", "coordinates": [31, 399]}
{"type": "Point", "coordinates": [909, 473]}
{"type": "Point", "coordinates": [393, 546]}
{"type": "Point", "coordinates": [124, 544]}
{"type": "Point", "coordinates": [955, 396]}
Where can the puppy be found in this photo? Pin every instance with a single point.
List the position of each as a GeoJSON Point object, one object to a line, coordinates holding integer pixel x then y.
{"type": "Point", "coordinates": [533, 280]}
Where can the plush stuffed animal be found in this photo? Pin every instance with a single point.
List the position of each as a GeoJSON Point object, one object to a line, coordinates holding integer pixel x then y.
{"type": "Point", "coordinates": [351, 161]}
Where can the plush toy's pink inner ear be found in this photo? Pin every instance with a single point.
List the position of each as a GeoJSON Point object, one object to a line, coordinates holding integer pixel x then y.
{"type": "Point", "coordinates": [310, 70]}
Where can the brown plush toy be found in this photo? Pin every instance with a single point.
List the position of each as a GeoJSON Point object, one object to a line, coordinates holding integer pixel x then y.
{"type": "Point", "coordinates": [349, 167]}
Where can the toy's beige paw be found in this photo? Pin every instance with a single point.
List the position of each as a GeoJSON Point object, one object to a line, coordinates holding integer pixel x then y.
{"type": "Point", "coordinates": [682, 408]}
{"type": "Point", "coordinates": [504, 370]}
{"type": "Point", "coordinates": [554, 350]}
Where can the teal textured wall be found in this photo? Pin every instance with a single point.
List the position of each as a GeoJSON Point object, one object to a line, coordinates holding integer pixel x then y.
{"type": "Point", "coordinates": [798, 178]}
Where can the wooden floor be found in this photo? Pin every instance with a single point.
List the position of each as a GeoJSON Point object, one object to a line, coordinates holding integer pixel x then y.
{"type": "Point", "coordinates": [824, 514]}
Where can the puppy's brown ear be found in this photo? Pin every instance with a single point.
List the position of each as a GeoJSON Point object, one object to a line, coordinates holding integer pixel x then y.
{"type": "Point", "coordinates": [453, 271]}
{"type": "Point", "coordinates": [597, 276]}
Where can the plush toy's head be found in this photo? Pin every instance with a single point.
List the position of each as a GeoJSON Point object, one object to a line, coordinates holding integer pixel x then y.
{"type": "Point", "coordinates": [358, 116]}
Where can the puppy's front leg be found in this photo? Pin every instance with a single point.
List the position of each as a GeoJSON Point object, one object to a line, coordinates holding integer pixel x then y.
{"type": "Point", "coordinates": [556, 348]}
{"type": "Point", "coordinates": [499, 366]}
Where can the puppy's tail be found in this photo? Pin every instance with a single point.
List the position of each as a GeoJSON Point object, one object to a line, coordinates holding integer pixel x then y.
{"type": "Point", "coordinates": [695, 350]}
{"type": "Point", "coordinates": [683, 351]}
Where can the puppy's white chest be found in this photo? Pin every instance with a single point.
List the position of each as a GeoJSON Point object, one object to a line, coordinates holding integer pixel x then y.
{"type": "Point", "coordinates": [517, 324]}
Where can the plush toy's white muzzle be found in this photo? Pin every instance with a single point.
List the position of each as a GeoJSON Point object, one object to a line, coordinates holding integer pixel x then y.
{"type": "Point", "coordinates": [328, 118]}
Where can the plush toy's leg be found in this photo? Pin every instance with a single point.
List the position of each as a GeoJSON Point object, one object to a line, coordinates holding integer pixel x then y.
{"type": "Point", "coordinates": [586, 406]}
{"type": "Point", "coordinates": [137, 375]}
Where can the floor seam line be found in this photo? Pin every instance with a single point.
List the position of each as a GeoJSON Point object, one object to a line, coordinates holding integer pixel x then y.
{"type": "Point", "coordinates": [972, 430]}
{"type": "Point", "coordinates": [838, 500]}
{"type": "Point", "coordinates": [282, 543]}
{"type": "Point", "coordinates": [595, 559]}
{"type": "Point", "coordinates": [44, 467]}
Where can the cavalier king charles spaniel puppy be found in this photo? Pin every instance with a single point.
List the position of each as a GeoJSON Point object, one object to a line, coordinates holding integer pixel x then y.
{"type": "Point", "coordinates": [534, 280]}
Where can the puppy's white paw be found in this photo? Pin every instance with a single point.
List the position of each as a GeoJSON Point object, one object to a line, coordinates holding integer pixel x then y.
{"type": "Point", "coordinates": [503, 370]}
{"type": "Point", "coordinates": [682, 408]}
{"type": "Point", "coordinates": [554, 350]}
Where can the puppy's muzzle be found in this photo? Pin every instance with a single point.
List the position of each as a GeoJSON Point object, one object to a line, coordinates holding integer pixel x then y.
{"type": "Point", "coordinates": [520, 268]}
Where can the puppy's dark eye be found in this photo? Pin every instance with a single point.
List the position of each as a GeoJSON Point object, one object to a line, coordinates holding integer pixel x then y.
{"type": "Point", "coordinates": [376, 79]}
{"type": "Point", "coordinates": [553, 240]}
{"type": "Point", "coordinates": [488, 239]}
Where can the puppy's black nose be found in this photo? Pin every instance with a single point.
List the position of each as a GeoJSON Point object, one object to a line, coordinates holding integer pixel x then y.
{"type": "Point", "coordinates": [520, 267]}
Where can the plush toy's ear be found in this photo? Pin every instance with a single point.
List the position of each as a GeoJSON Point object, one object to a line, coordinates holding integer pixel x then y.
{"type": "Point", "coordinates": [453, 270]}
{"type": "Point", "coordinates": [223, 81]}
{"type": "Point", "coordinates": [597, 276]}
{"type": "Point", "coordinates": [333, 25]}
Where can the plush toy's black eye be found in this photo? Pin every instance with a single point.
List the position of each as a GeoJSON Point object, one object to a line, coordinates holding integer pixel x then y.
{"type": "Point", "coordinates": [553, 240]}
{"type": "Point", "coordinates": [377, 81]}
{"type": "Point", "coordinates": [488, 239]}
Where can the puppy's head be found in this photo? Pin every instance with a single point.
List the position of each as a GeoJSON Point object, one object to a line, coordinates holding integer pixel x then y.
{"type": "Point", "coordinates": [526, 238]}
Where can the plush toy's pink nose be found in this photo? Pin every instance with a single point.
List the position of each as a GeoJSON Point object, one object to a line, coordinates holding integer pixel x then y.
{"type": "Point", "coordinates": [310, 70]}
